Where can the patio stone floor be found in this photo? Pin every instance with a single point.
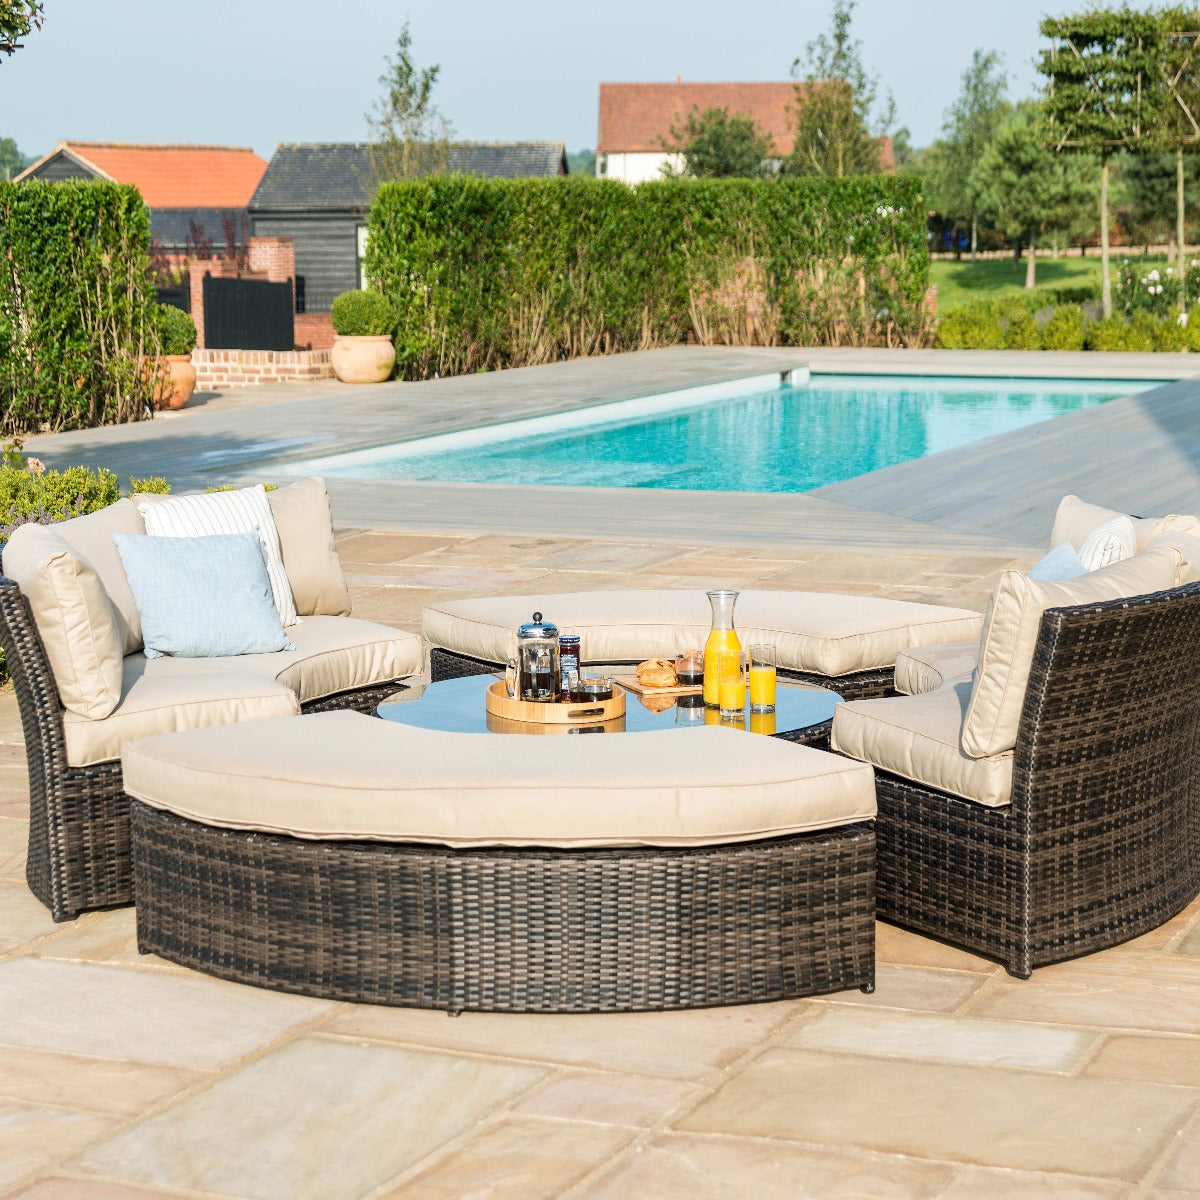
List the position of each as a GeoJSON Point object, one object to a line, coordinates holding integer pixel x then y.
{"type": "Point", "coordinates": [123, 1077]}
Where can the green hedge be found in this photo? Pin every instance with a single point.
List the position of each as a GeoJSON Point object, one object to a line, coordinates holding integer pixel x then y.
{"type": "Point", "coordinates": [1028, 323]}
{"type": "Point", "coordinates": [499, 273]}
{"type": "Point", "coordinates": [77, 334]}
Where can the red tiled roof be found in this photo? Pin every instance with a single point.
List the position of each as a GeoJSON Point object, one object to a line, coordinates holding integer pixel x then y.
{"type": "Point", "coordinates": [177, 176]}
{"type": "Point", "coordinates": [638, 116]}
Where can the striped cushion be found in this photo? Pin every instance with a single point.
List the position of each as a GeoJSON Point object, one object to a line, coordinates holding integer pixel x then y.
{"type": "Point", "coordinates": [227, 512]}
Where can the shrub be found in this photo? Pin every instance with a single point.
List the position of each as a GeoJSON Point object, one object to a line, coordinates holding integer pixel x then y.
{"type": "Point", "coordinates": [363, 314]}
{"type": "Point", "coordinates": [1109, 333]}
{"type": "Point", "coordinates": [971, 327]}
{"type": "Point", "coordinates": [490, 273]}
{"type": "Point", "coordinates": [176, 330]}
{"type": "Point", "coordinates": [77, 336]}
{"type": "Point", "coordinates": [1022, 332]}
{"type": "Point", "coordinates": [152, 485]}
{"type": "Point", "coordinates": [1155, 292]}
{"type": "Point", "coordinates": [1064, 329]}
{"type": "Point", "coordinates": [1076, 293]}
{"type": "Point", "coordinates": [1169, 334]}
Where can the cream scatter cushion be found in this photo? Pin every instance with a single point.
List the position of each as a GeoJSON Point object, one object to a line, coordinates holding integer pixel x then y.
{"type": "Point", "coordinates": [1112, 542]}
{"type": "Point", "coordinates": [342, 775]}
{"type": "Point", "coordinates": [1077, 518]}
{"type": "Point", "coordinates": [305, 524]}
{"type": "Point", "coordinates": [226, 512]}
{"type": "Point", "coordinates": [1010, 634]}
{"type": "Point", "coordinates": [74, 617]}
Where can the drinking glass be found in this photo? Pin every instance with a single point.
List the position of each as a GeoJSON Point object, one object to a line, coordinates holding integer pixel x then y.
{"type": "Point", "coordinates": [762, 677]}
{"type": "Point", "coordinates": [731, 685]}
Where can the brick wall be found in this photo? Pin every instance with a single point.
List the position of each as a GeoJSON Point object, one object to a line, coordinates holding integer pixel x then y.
{"type": "Point", "coordinates": [220, 370]}
{"type": "Point", "coordinates": [314, 331]}
{"type": "Point", "coordinates": [270, 258]}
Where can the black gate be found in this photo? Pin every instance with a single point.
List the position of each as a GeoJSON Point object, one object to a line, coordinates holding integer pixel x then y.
{"type": "Point", "coordinates": [247, 314]}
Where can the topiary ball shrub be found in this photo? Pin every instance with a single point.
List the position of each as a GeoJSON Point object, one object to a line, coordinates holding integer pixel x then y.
{"type": "Point", "coordinates": [363, 314]}
{"type": "Point", "coordinates": [176, 330]}
{"type": "Point", "coordinates": [1064, 329]}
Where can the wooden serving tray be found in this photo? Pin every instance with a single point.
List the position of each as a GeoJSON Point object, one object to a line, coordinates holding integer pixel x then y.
{"type": "Point", "coordinates": [631, 683]}
{"type": "Point", "coordinates": [500, 704]}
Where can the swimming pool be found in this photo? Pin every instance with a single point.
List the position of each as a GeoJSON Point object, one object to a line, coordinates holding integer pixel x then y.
{"type": "Point", "coordinates": [759, 435]}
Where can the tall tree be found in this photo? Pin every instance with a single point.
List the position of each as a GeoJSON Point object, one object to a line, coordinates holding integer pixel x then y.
{"type": "Point", "coordinates": [1020, 182]}
{"type": "Point", "coordinates": [1101, 94]}
{"type": "Point", "coordinates": [837, 126]}
{"type": "Point", "coordinates": [11, 159]}
{"type": "Point", "coordinates": [18, 19]}
{"type": "Point", "coordinates": [409, 136]}
{"type": "Point", "coordinates": [717, 144]}
{"type": "Point", "coordinates": [969, 127]}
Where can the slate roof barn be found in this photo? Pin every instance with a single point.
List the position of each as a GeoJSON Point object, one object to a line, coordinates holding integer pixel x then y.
{"type": "Point", "coordinates": [318, 194]}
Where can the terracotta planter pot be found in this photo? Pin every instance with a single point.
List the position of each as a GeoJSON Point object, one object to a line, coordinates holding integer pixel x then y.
{"type": "Point", "coordinates": [363, 359]}
{"type": "Point", "coordinates": [177, 391]}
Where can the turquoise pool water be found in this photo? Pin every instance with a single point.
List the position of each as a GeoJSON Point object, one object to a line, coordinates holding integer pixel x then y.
{"type": "Point", "coordinates": [768, 437]}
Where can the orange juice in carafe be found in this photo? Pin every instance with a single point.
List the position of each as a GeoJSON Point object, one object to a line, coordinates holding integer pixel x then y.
{"type": "Point", "coordinates": [722, 637]}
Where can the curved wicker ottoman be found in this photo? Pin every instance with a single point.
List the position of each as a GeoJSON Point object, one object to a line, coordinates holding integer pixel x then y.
{"type": "Point", "coordinates": [519, 928]}
{"type": "Point", "coordinates": [846, 643]}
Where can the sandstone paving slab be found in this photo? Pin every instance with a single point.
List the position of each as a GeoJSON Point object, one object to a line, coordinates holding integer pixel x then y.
{"type": "Point", "coordinates": [98, 1085]}
{"type": "Point", "coordinates": [452, 577]}
{"type": "Point", "coordinates": [916, 988]}
{"type": "Point", "coordinates": [1182, 1168]}
{"type": "Point", "coordinates": [60, 1187]}
{"type": "Point", "coordinates": [313, 1118]}
{"type": "Point", "coordinates": [152, 1017]}
{"type": "Point", "coordinates": [674, 1045]}
{"type": "Point", "coordinates": [1123, 991]}
{"type": "Point", "coordinates": [605, 556]}
{"type": "Point", "coordinates": [501, 549]}
{"type": "Point", "coordinates": [102, 937]}
{"type": "Point", "coordinates": [515, 1159]}
{"type": "Point", "coordinates": [35, 1139]}
{"type": "Point", "coordinates": [713, 564]}
{"type": "Point", "coordinates": [639, 1101]}
{"type": "Point", "coordinates": [14, 802]}
{"type": "Point", "coordinates": [23, 917]}
{"type": "Point", "coordinates": [1191, 943]}
{"type": "Point", "coordinates": [1153, 1059]}
{"type": "Point", "coordinates": [983, 1183]}
{"type": "Point", "coordinates": [14, 837]}
{"type": "Point", "coordinates": [683, 1166]}
{"type": "Point", "coordinates": [363, 548]}
{"type": "Point", "coordinates": [923, 1038]}
{"type": "Point", "coordinates": [902, 948]}
{"type": "Point", "coordinates": [1006, 1118]}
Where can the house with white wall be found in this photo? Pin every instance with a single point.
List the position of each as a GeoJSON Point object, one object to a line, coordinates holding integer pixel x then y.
{"type": "Point", "coordinates": [636, 119]}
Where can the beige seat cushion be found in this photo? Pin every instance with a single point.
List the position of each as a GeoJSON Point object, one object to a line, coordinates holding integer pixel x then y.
{"type": "Point", "coordinates": [921, 669]}
{"type": "Point", "coordinates": [345, 776]}
{"type": "Point", "coordinates": [305, 524]}
{"type": "Point", "coordinates": [164, 704]}
{"type": "Point", "coordinates": [821, 632]}
{"type": "Point", "coordinates": [1076, 519]}
{"type": "Point", "coordinates": [1011, 629]}
{"type": "Point", "coordinates": [917, 738]}
{"type": "Point", "coordinates": [332, 655]}
{"type": "Point", "coordinates": [74, 617]}
{"type": "Point", "coordinates": [91, 538]}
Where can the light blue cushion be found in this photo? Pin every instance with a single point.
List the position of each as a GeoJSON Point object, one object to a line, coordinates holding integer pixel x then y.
{"type": "Point", "coordinates": [202, 597]}
{"type": "Point", "coordinates": [1063, 562]}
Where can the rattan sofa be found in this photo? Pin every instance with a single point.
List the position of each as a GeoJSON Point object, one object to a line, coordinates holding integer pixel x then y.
{"type": "Point", "coordinates": [79, 842]}
{"type": "Point", "coordinates": [1099, 838]}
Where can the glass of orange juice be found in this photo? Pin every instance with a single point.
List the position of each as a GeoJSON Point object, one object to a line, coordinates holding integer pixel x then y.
{"type": "Point", "coordinates": [762, 677]}
{"type": "Point", "coordinates": [731, 685]}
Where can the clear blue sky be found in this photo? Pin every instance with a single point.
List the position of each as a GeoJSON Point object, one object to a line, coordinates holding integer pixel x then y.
{"type": "Point", "coordinates": [259, 72]}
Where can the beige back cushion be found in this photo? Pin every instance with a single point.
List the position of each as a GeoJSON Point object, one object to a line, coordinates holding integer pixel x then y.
{"type": "Point", "coordinates": [1076, 519]}
{"type": "Point", "coordinates": [305, 524]}
{"type": "Point", "coordinates": [74, 616]}
{"type": "Point", "coordinates": [92, 538]}
{"type": "Point", "coordinates": [1010, 633]}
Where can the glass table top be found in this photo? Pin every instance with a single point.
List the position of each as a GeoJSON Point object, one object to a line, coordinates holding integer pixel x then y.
{"type": "Point", "coordinates": [457, 706]}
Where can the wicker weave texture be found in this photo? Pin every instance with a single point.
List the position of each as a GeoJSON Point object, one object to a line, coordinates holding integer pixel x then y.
{"type": "Point", "coordinates": [1102, 840]}
{"type": "Point", "coordinates": [534, 930]}
{"type": "Point", "coordinates": [79, 854]}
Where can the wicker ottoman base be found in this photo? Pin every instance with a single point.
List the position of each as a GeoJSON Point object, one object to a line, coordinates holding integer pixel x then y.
{"type": "Point", "coordinates": [531, 930]}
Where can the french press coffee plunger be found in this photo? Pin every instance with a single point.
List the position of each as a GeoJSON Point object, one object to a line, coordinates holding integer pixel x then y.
{"type": "Point", "coordinates": [538, 662]}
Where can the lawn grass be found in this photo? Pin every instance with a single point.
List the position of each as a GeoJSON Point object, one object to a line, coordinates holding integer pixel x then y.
{"type": "Point", "coordinates": [964, 281]}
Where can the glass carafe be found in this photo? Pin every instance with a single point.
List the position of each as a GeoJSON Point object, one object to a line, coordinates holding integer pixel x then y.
{"type": "Point", "coordinates": [723, 636]}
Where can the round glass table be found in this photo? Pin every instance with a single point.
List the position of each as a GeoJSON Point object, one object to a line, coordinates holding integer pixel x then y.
{"type": "Point", "coordinates": [802, 712]}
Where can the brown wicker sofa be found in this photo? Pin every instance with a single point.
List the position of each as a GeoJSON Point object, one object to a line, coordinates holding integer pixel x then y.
{"type": "Point", "coordinates": [1095, 837]}
{"type": "Point", "coordinates": [79, 842]}
{"type": "Point", "coordinates": [359, 859]}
